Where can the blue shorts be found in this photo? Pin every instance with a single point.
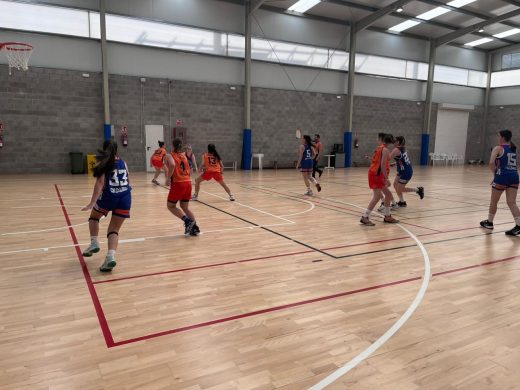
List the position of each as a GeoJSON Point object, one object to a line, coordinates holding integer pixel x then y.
{"type": "Point", "coordinates": [501, 182]}
{"type": "Point", "coordinates": [306, 165]}
{"type": "Point", "coordinates": [119, 205]}
{"type": "Point", "coordinates": [405, 176]}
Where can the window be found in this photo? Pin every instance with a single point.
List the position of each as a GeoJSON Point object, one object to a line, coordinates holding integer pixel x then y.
{"type": "Point", "coordinates": [416, 70]}
{"type": "Point", "coordinates": [505, 79]}
{"type": "Point", "coordinates": [510, 61]}
{"type": "Point", "coordinates": [338, 60]}
{"type": "Point", "coordinates": [380, 66]}
{"type": "Point", "coordinates": [450, 75]}
{"type": "Point", "coordinates": [288, 53]}
{"type": "Point", "coordinates": [477, 79]}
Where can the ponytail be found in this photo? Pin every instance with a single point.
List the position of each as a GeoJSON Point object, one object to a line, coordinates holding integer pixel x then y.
{"type": "Point", "coordinates": [106, 159]}
{"type": "Point", "coordinates": [513, 146]}
{"type": "Point", "coordinates": [213, 151]}
{"type": "Point", "coordinates": [177, 145]}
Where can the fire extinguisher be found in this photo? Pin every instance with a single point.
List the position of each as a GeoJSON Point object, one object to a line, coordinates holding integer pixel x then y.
{"type": "Point", "coordinates": [1, 135]}
{"type": "Point", "coordinates": [124, 136]}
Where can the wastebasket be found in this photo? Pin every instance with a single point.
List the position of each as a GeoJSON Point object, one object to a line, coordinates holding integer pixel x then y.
{"type": "Point", "coordinates": [91, 163]}
{"type": "Point", "coordinates": [76, 162]}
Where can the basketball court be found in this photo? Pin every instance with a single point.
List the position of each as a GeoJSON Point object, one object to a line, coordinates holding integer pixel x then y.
{"type": "Point", "coordinates": [283, 288]}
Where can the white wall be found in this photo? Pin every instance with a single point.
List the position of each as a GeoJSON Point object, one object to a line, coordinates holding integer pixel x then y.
{"type": "Point", "coordinates": [57, 52]}
{"type": "Point", "coordinates": [504, 96]}
{"type": "Point", "coordinates": [446, 93]}
{"type": "Point", "coordinates": [452, 132]}
{"type": "Point", "coordinates": [388, 88]}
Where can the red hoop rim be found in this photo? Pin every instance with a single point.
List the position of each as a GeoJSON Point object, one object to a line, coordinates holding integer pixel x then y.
{"type": "Point", "coordinates": [5, 45]}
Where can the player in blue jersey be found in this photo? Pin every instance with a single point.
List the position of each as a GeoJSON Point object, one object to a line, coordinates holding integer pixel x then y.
{"type": "Point", "coordinates": [306, 164]}
{"type": "Point", "coordinates": [404, 171]}
{"type": "Point", "coordinates": [503, 165]}
{"type": "Point", "coordinates": [112, 192]}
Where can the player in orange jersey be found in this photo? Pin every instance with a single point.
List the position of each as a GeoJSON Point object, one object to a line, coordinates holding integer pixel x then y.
{"type": "Point", "coordinates": [178, 174]}
{"type": "Point", "coordinates": [378, 181]}
{"type": "Point", "coordinates": [211, 168]}
{"type": "Point", "coordinates": [157, 161]}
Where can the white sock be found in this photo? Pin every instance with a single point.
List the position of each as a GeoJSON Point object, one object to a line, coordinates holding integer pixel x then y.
{"type": "Point", "coordinates": [387, 211]}
{"type": "Point", "coordinates": [366, 214]}
{"type": "Point", "coordinates": [491, 217]}
{"type": "Point", "coordinates": [94, 240]}
{"type": "Point", "coordinates": [401, 198]}
{"type": "Point", "coordinates": [517, 220]}
{"type": "Point", "coordinates": [111, 253]}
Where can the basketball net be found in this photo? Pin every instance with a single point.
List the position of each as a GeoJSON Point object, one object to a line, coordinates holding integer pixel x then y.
{"type": "Point", "coordinates": [17, 54]}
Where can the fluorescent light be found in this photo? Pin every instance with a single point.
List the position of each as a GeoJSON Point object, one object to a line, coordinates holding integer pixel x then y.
{"type": "Point", "coordinates": [303, 5]}
{"type": "Point", "coordinates": [433, 13]}
{"type": "Point", "coordinates": [404, 26]}
{"type": "Point", "coordinates": [399, 10]}
{"type": "Point", "coordinates": [430, 15]}
{"type": "Point", "coordinates": [479, 42]}
{"type": "Point", "coordinates": [507, 33]}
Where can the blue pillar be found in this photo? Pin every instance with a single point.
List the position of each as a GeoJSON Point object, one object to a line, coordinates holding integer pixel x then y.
{"type": "Point", "coordinates": [247, 149]}
{"type": "Point", "coordinates": [425, 147]}
{"type": "Point", "coordinates": [347, 147]}
{"type": "Point", "coordinates": [107, 131]}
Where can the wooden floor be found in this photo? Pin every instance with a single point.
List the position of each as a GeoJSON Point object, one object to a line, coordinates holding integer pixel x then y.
{"type": "Point", "coordinates": [279, 291]}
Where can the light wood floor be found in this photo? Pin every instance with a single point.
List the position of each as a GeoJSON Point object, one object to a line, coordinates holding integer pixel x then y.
{"type": "Point", "coordinates": [278, 292]}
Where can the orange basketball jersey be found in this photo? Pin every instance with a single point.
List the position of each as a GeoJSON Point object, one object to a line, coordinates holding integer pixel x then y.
{"type": "Point", "coordinates": [181, 173]}
{"type": "Point", "coordinates": [211, 163]}
{"type": "Point", "coordinates": [159, 154]}
{"type": "Point", "coordinates": [375, 167]}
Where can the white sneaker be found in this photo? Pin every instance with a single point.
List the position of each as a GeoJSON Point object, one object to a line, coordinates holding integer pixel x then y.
{"type": "Point", "coordinates": [381, 208]}
{"type": "Point", "coordinates": [93, 248]}
{"type": "Point", "coordinates": [309, 193]}
{"type": "Point", "coordinates": [195, 197]}
{"type": "Point", "coordinates": [231, 198]}
{"type": "Point", "coordinates": [108, 264]}
{"type": "Point", "coordinates": [394, 206]}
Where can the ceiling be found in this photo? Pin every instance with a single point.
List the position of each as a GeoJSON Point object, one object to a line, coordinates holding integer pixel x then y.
{"type": "Point", "coordinates": [349, 11]}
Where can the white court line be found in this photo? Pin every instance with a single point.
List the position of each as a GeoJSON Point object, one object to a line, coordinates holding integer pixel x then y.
{"type": "Point", "coordinates": [44, 230]}
{"type": "Point", "coordinates": [38, 207]}
{"type": "Point", "coordinates": [395, 327]}
{"type": "Point", "coordinates": [252, 208]}
{"type": "Point", "coordinates": [301, 212]}
{"type": "Point", "coordinates": [140, 239]}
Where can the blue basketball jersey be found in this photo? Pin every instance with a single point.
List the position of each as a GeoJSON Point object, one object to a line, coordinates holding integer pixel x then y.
{"type": "Point", "coordinates": [117, 183]}
{"type": "Point", "coordinates": [307, 153]}
{"type": "Point", "coordinates": [506, 164]}
{"type": "Point", "coordinates": [403, 161]}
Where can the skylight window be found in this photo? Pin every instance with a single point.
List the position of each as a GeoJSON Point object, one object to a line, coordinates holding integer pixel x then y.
{"type": "Point", "coordinates": [507, 33]}
{"type": "Point", "coordinates": [478, 42]}
{"type": "Point", "coordinates": [430, 15]}
{"type": "Point", "coordinates": [303, 5]}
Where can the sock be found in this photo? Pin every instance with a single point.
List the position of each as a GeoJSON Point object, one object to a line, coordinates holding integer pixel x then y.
{"type": "Point", "coordinates": [366, 214]}
{"type": "Point", "coordinates": [111, 253]}
{"type": "Point", "coordinates": [94, 240]}
{"type": "Point", "coordinates": [387, 211]}
{"type": "Point", "coordinates": [185, 219]}
{"type": "Point", "coordinates": [517, 220]}
{"type": "Point", "coordinates": [312, 179]}
{"type": "Point", "coordinates": [401, 198]}
{"type": "Point", "coordinates": [491, 217]}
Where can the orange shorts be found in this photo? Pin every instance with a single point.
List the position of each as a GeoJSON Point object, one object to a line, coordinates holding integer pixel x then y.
{"type": "Point", "coordinates": [157, 164]}
{"type": "Point", "coordinates": [376, 181]}
{"type": "Point", "coordinates": [180, 191]}
{"type": "Point", "coordinates": [213, 175]}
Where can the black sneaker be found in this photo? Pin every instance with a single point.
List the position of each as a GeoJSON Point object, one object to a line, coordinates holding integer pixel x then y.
{"type": "Point", "coordinates": [514, 231]}
{"type": "Point", "coordinates": [188, 225]}
{"type": "Point", "coordinates": [318, 187]}
{"type": "Point", "coordinates": [402, 204]}
{"type": "Point", "coordinates": [488, 225]}
{"type": "Point", "coordinates": [420, 192]}
{"type": "Point", "coordinates": [194, 230]}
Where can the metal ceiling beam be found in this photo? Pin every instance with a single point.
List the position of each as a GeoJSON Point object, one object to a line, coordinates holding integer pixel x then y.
{"type": "Point", "coordinates": [480, 15]}
{"type": "Point", "coordinates": [371, 19]}
{"type": "Point", "coordinates": [505, 48]}
{"type": "Point", "coordinates": [475, 27]}
{"type": "Point", "coordinates": [255, 4]}
{"type": "Point", "coordinates": [403, 15]}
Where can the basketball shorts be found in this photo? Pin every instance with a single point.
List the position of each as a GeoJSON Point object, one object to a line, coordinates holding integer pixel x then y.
{"type": "Point", "coordinates": [180, 191]}
{"type": "Point", "coordinates": [502, 182]}
{"type": "Point", "coordinates": [376, 182]}
{"type": "Point", "coordinates": [157, 164]}
{"type": "Point", "coordinates": [212, 175]}
{"type": "Point", "coordinates": [306, 165]}
{"type": "Point", "coordinates": [405, 176]}
{"type": "Point", "coordinates": [119, 205]}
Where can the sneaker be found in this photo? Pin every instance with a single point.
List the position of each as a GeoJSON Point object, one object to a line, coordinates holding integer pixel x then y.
{"type": "Point", "coordinates": [108, 264]}
{"type": "Point", "coordinates": [390, 219]}
{"type": "Point", "coordinates": [394, 206]}
{"type": "Point", "coordinates": [93, 248]}
{"type": "Point", "coordinates": [195, 197]}
{"type": "Point", "coordinates": [309, 193]}
{"type": "Point", "coordinates": [367, 222]}
{"type": "Point", "coordinates": [188, 226]}
{"type": "Point", "coordinates": [420, 192]}
{"type": "Point", "coordinates": [514, 231]}
{"type": "Point", "coordinates": [381, 208]}
{"type": "Point", "coordinates": [194, 230]}
{"type": "Point", "coordinates": [402, 204]}
{"type": "Point", "coordinates": [231, 198]}
{"type": "Point", "coordinates": [320, 173]}
{"type": "Point", "coordinates": [318, 187]}
{"type": "Point", "coordinates": [487, 225]}
{"type": "Point", "coordinates": [155, 182]}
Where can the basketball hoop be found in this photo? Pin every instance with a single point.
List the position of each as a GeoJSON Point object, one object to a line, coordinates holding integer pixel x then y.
{"type": "Point", "coordinates": [18, 54]}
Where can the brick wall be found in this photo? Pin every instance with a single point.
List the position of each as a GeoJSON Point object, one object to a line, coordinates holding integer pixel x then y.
{"type": "Point", "coordinates": [507, 117]}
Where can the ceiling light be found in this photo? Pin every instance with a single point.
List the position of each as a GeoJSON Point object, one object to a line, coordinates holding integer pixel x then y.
{"type": "Point", "coordinates": [478, 42]}
{"type": "Point", "coordinates": [460, 3]}
{"type": "Point", "coordinates": [433, 13]}
{"type": "Point", "coordinates": [481, 30]}
{"type": "Point", "coordinates": [404, 26]}
{"type": "Point", "coordinates": [399, 10]}
{"type": "Point", "coordinates": [303, 5]}
{"type": "Point", "coordinates": [507, 33]}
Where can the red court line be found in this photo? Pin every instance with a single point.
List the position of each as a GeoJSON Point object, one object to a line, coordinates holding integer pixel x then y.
{"type": "Point", "coordinates": [301, 303]}
{"type": "Point", "coordinates": [201, 267]}
{"type": "Point", "coordinates": [86, 274]}
{"type": "Point", "coordinates": [263, 311]}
